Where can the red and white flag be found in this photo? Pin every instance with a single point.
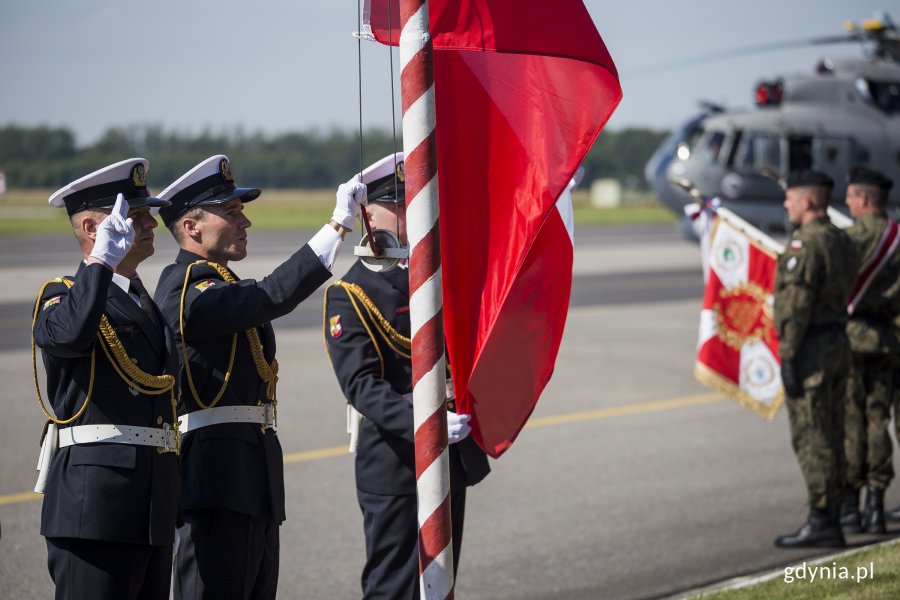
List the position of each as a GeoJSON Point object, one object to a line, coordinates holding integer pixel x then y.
{"type": "Point", "coordinates": [522, 90]}
{"type": "Point", "coordinates": [737, 352]}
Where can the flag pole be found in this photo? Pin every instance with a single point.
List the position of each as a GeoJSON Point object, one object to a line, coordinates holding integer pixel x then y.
{"type": "Point", "coordinates": [426, 303]}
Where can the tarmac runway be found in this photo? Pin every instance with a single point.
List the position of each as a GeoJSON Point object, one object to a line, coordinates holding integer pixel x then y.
{"type": "Point", "coordinates": [631, 480]}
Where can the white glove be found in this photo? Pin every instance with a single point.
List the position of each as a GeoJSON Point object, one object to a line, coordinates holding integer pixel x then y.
{"type": "Point", "coordinates": [350, 196]}
{"type": "Point", "coordinates": [457, 427]}
{"type": "Point", "coordinates": [114, 235]}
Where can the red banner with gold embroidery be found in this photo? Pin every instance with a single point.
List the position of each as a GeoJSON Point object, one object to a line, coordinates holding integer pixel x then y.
{"type": "Point", "coordinates": [737, 352]}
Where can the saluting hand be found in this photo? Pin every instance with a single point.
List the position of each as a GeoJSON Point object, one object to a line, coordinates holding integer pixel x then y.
{"type": "Point", "coordinates": [114, 235]}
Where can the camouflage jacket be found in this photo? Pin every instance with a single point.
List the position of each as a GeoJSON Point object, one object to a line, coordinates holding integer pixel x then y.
{"type": "Point", "coordinates": [869, 328]}
{"type": "Point", "coordinates": [813, 282]}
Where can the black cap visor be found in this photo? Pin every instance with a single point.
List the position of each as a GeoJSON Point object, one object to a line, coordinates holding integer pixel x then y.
{"type": "Point", "coordinates": [245, 194]}
{"type": "Point", "coordinates": [105, 197]}
{"type": "Point", "coordinates": [150, 201]}
{"type": "Point", "coordinates": [216, 195]}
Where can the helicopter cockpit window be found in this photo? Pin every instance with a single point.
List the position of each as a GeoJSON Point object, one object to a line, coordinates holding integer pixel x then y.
{"type": "Point", "coordinates": [758, 151]}
{"type": "Point", "coordinates": [709, 146]}
{"type": "Point", "coordinates": [883, 95]}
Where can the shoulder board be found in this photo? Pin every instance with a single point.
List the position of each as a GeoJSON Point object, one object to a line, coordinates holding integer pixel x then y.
{"type": "Point", "coordinates": [204, 269]}
{"type": "Point", "coordinates": [203, 274]}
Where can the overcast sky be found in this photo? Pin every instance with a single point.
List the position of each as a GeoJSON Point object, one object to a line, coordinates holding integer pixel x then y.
{"type": "Point", "coordinates": [281, 65]}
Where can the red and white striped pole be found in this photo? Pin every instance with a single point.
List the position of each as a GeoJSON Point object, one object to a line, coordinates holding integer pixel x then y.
{"type": "Point", "coordinates": [426, 303]}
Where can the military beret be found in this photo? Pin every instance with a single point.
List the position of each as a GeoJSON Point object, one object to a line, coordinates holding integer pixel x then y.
{"type": "Point", "coordinates": [209, 182]}
{"type": "Point", "coordinates": [385, 179]}
{"type": "Point", "coordinates": [809, 177]}
{"type": "Point", "coordinates": [864, 176]}
{"type": "Point", "coordinates": [100, 188]}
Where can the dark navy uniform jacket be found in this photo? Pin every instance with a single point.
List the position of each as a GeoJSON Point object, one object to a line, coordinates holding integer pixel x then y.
{"type": "Point", "coordinates": [234, 465]}
{"type": "Point", "coordinates": [109, 492]}
{"type": "Point", "coordinates": [385, 457]}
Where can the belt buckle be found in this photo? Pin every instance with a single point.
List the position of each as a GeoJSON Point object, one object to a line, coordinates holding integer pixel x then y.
{"type": "Point", "coordinates": [270, 416]}
{"type": "Point", "coordinates": [170, 439]}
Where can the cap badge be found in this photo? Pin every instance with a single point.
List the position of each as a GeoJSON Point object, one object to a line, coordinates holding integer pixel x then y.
{"type": "Point", "coordinates": [225, 168]}
{"type": "Point", "coordinates": [334, 326]}
{"type": "Point", "coordinates": [137, 175]}
{"type": "Point", "coordinates": [400, 171]}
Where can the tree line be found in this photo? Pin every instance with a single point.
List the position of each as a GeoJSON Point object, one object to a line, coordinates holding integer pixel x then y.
{"type": "Point", "coordinates": [48, 157]}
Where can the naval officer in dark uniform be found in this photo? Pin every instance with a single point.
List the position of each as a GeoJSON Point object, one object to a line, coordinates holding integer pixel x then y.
{"type": "Point", "coordinates": [367, 330]}
{"type": "Point", "coordinates": [233, 479]}
{"type": "Point", "coordinates": [111, 493]}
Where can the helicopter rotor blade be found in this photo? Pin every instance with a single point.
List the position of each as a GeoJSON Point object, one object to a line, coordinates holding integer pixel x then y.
{"type": "Point", "coordinates": [738, 52]}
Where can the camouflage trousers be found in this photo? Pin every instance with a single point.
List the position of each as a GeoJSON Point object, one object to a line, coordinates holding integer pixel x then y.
{"type": "Point", "coordinates": [867, 438]}
{"type": "Point", "coordinates": [896, 402]}
{"type": "Point", "coordinates": [817, 419]}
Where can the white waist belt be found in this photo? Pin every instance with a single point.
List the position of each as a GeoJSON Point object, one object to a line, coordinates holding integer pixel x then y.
{"type": "Point", "coordinates": [164, 437]}
{"type": "Point", "coordinates": [264, 414]}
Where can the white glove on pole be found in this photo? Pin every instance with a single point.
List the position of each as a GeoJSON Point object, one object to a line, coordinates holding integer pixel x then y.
{"type": "Point", "coordinates": [457, 427]}
{"type": "Point", "coordinates": [114, 235]}
{"type": "Point", "coordinates": [350, 196]}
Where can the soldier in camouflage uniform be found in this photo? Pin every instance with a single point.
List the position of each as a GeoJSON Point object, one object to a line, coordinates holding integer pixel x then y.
{"type": "Point", "coordinates": [812, 284]}
{"type": "Point", "coordinates": [870, 381]}
{"type": "Point", "coordinates": [894, 513]}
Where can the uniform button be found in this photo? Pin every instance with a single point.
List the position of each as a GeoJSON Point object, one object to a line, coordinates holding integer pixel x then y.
{"type": "Point", "coordinates": [134, 360]}
{"type": "Point", "coordinates": [159, 420]}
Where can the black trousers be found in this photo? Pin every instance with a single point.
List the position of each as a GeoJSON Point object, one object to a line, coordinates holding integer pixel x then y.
{"type": "Point", "coordinates": [391, 571]}
{"type": "Point", "coordinates": [224, 554]}
{"type": "Point", "coordinates": [95, 570]}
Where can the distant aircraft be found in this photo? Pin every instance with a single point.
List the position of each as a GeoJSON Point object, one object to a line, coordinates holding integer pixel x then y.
{"type": "Point", "coordinates": [845, 113]}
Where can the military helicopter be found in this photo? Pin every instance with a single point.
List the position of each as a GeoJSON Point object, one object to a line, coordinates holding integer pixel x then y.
{"type": "Point", "coordinates": [844, 113]}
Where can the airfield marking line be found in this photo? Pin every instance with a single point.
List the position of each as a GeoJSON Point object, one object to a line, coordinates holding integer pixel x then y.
{"type": "Point", "coordinates": [17, 498]}
{"type": "Point", "coordinates": [619, 411]}
{"type": "Point", "coordinates": [577, 417]}
{"type": "Point", "coordinates": [316, 454]}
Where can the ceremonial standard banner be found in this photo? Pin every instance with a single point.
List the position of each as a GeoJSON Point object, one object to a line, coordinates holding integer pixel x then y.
{"type": "Point", "coordinates": [522, 90]}
{"type": "Point", "coordinates": [737, 352]}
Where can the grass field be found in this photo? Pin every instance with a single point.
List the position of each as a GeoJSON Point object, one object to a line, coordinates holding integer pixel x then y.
{"type": "Point", "coordinates": [866, 575]}
{"type": "Point", "coordinates": [24, 212]}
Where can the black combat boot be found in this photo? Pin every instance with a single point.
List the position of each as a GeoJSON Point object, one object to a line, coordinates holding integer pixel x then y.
{"type": "Point", "coordinates": [821, 530]}
{"type": "Point", "coordinates": [851, 522]}
{"type": "Point", "coordinates": [873, 519]}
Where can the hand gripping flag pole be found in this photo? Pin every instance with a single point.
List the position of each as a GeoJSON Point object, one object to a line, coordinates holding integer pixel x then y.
{"type": "Point", "coordinates": [426, 302]}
